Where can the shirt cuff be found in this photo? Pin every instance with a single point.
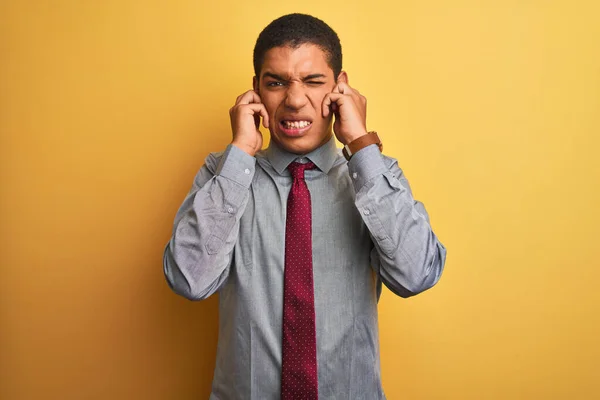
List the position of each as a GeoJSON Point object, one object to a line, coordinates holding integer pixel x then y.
{"type": "Point", "coordinates": [365, 164]}
{"type": "Point", "coordinates": [237, 165]}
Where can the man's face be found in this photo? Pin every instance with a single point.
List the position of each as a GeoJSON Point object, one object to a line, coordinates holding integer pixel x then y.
{"type": "Point", "coordinates": [292, 85]}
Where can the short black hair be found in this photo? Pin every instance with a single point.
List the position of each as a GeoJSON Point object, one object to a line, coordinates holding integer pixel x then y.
{"type": "Point", "coordinates": [294, 30]}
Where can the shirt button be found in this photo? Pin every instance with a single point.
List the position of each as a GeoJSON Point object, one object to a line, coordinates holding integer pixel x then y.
{"type": "Point", "coordinates": [366, 211]}
{"type": "Point", "coordinates": [354, 175]}
{"type": "Point", "coordinates": [230, 210]}
{"type": "Point", "coordinates": [247, 171]}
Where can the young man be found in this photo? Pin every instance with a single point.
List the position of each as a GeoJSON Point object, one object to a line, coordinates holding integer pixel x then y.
{"type": "Point", "coordinates": [298, 238]}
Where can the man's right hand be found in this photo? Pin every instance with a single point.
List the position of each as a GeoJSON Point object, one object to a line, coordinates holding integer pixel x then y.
{"type": "Point", "coordinates": [245, 120]}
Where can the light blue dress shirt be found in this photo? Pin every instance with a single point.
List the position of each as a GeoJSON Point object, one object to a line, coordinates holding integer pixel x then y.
{"type": "Point", "coordinates": [228, 237]}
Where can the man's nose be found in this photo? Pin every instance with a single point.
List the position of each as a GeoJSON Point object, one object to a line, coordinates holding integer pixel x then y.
{"type": "Point", "coordinates": [296, 96]}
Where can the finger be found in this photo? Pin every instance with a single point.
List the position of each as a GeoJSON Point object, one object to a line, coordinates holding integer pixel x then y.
{"type": "Point", "coordinates": [329, 100]}
{"type": "Point", "coordinates": [265, 117]}
{"type": "Point", "coordinates": [237, 100]}
{"type": "Point", "coordinates": [257, 109]}
{"type": "Point", "coordinates": [248, 98]}
{"type": "Point", "coordinates": [344, 88]}
{"type": "Point", "coordinates": [353, 93]}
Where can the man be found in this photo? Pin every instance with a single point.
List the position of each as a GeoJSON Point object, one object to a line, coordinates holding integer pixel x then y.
{"type": "Point", "coordinates": [297, 239]}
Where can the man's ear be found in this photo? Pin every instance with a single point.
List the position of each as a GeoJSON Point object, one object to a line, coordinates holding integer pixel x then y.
{"type": "Point", "coordinates": [255, 84]}
{"type": "Point", "coordinates": [343, 77]}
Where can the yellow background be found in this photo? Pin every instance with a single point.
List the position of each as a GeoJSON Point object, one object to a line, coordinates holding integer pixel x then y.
{"type": "Point", "coordinates": [108, 108]}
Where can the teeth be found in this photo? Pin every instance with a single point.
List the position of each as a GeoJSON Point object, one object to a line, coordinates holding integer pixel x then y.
{"type": "Point", "coordinates": [296, 124]}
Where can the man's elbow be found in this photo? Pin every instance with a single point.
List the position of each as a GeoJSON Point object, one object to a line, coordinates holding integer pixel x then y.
{"type": "Point", "coordinates": [432, 270]}
{"type": "Point", "coordinates": [183, 284]}
{"type": "Point", "coordinates": [424, 276]}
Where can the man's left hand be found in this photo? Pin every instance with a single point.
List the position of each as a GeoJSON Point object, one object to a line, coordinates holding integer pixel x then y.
{"type": "Point", "coordinates": [350, 110]}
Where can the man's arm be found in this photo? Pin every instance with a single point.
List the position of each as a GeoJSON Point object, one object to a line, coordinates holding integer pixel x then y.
{"type": "Point", "coordinates": [408, 257]}
{"type": "Point", "coordinates": [198, 256]}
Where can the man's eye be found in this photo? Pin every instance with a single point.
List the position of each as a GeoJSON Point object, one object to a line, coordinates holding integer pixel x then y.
{"type": "Point", "coordinates": [315, 83]}
{"type": "Point", "coordinates": [274, 84]}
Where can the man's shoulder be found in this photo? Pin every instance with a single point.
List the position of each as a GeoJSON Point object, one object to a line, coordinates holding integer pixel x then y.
{"type": "Point", "coordinates": [232, 155]}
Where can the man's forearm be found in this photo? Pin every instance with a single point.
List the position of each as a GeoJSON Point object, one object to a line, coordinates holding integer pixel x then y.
{"type": "Point", "coordinates": [198, 256]}
{"type": "Point", "coordinates": [411, 257]}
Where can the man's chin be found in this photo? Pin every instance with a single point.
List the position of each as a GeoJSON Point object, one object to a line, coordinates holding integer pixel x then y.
{"type": "Point", "coordinates": [300, 146]}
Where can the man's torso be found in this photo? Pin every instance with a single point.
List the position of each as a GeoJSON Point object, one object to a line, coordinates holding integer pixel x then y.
{"type": "Point", "coordinates": [251, 302]}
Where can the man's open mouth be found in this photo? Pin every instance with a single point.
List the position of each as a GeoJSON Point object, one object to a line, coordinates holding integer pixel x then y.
{"type": "Point", "coordinates": [291, 125]}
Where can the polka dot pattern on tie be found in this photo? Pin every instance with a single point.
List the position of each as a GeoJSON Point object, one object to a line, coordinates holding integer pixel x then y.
{"type": "Point", "coordinates": [299, 352]}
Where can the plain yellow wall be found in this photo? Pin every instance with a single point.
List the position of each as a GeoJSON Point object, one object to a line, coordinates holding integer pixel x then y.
{"type": "Point", "coordinates": [108, 108]}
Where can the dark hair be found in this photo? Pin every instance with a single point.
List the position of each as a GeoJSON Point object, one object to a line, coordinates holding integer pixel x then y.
{"type": "Point", "coordinates": [294, 30]}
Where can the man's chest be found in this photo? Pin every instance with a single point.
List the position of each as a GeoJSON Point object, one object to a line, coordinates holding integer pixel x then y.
{"type": "Point", "coordinates": [339, 235]}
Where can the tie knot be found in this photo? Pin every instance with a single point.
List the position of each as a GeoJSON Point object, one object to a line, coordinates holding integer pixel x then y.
{"type": "Point", "coordinates": [297, 169]}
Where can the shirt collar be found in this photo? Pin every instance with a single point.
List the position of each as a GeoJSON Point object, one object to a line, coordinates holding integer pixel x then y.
{"type": "Point", "coordinates": [323, 157]}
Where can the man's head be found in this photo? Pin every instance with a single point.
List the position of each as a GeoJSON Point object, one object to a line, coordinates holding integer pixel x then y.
{"type": "Point", "coordinates": [297, 61]}
{"type": "Point", "coordinates": [294, 30]}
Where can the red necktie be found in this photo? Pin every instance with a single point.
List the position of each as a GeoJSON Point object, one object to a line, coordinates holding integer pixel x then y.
{"type": "Point", "coordinates": [299, 363]}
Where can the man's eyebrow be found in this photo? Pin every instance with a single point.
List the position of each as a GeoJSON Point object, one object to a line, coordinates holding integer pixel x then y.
{"type": "Point", "coordinates": [313, 76]}
{"type": "Point", "coordinates": [306, 78]}
{"type": "Point", "coordinates": [274, 76]}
